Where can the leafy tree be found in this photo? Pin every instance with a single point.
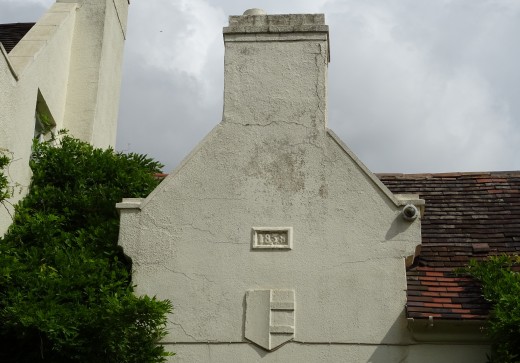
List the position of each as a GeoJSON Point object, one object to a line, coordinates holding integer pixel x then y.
{"type": "Point", "coordinates": [500, 281]}
{"type": "Point", "coordinates": [4, 183]}
{"type": "Point", "coordinates": [65, 285]}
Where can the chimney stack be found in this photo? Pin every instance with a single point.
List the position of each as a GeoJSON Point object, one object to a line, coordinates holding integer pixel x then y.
{"type": "Point", "coordinates": [96, 60]}
{"type": "Point", "coordinates": [275, 69]}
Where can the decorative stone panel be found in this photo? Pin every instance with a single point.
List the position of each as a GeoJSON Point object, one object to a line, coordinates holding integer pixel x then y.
{"type": "Point", "coordinates": [270, 317]}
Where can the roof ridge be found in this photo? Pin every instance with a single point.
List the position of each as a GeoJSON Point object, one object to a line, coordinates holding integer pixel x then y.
{"type": "Point", "coordinates": [448, 174]}
{"type": "Point", "coordinates": [18, 23]}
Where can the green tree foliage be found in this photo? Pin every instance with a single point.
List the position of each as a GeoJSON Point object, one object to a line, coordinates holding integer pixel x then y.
{"type": "Point", "coordinates": [4, 183]}
{"type": "Point", "coordinates": [65, 289]}
{"type": "Point", "coordinates": [500, 281]}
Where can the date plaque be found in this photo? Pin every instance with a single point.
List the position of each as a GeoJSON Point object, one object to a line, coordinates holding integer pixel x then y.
{"type": "Point", "coordinates": [272, 238]}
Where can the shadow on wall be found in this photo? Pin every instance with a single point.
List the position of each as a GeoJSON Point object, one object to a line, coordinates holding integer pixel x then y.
{"type": "Point", "coordinates": [399, 225]}
{"type": "Point", "coordinates": [394, 346]}
{"type": "Point", "coordinates": [410, 351]}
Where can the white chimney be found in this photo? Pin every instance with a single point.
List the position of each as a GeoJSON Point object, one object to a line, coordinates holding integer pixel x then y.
{"type": "Point", "coordinates": [92, 103]}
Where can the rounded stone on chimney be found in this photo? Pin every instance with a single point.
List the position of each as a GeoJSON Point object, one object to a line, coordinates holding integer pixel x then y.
{"type": "Point", "coordinates": [254, 11]}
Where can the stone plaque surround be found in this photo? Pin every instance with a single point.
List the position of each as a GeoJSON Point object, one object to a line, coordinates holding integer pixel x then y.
{"type": "Point", "coordinates": [272, 238]}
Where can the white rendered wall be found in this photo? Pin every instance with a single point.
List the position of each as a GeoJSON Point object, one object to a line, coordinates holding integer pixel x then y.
{"type": "Point", "coordinates": [95, 72]}
{"type": "Point", "coordinates": [191, 242]}
{"type": "Point", "coordinates": [329, 353]}
{"type": "Point", "coordinates": [73, 56]}
{"type": "Point", "coordinates": [40, 61]}
{"type": "Point", "coordinates": [273, 163]}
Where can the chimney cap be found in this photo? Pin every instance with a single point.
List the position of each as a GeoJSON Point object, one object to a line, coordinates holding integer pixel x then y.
{"type": "Point", "coordinates": [255, 11]}
{"type": "Point", "coordinates": [282, 23]}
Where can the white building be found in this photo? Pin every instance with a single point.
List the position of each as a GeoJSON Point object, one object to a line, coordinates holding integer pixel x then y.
{"type": "Point", "coordinates": [272, 240]}
{"type": "Point", "coordinates": [64, 73]}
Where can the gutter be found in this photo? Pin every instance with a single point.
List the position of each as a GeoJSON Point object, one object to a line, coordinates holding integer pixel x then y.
{"type": "Point", "coordinates": [437, 330]}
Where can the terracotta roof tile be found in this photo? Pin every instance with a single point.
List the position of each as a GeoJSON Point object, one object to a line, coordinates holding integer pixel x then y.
{"type": "Point", "coordinates": [467, 215]}
{"type": "Point", "coordinates": [11, 34]}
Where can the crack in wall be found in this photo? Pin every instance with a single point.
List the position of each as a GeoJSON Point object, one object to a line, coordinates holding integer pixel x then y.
{"type": "Point", "coordinates": [203, 277]}
{"type": "Point", "coordinates": [208, 231]}
{"type": "Point", "coordinates": [178, 272]}
{"type": "Point", "coordinates": [228, 243]}
{"type": "Point", "coordinates": [185, 332]}
{"type": "Point", "coordinates": [319, 76]}
{"type": "Point", "coordinates": [269, 123]}
{"type": "Point", "coordinates": [195, 198]}
{"type": "Point", "coordinates": [200, 276]}
{"type": "Point", "coordinates": [149, 217]}
{"type": "Point", "coordinates": [357, 261]}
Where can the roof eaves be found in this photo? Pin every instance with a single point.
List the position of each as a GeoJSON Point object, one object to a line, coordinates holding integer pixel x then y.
{"type": "Point", "coordinates": [11, 34]}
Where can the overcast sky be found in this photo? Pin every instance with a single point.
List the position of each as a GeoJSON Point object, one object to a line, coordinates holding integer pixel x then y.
{"type": "Point", "coordinates": [414, 85]}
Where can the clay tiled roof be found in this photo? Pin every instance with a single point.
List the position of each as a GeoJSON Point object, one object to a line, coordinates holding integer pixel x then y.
{"type": "Point", "coordinates": [467, 215]}
{"type": "Point", "coordinates": [11, 34]}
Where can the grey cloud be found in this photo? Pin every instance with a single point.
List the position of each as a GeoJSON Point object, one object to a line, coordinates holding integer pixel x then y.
{"type": "Point", "coordinates": [161, 113]}
{"type": "Point", "coordinates": [414, 86]}
{"type": "Point", "coordinates": [406, 103]}
{"type": "Point", "coordinates": [20, 11]}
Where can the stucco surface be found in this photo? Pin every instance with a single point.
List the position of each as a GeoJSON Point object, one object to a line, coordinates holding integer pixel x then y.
{"type": "Point", "coordinates": [260, 89]}
{"type": "Point", "coordinates": [40, 62]}
{"type": "Point", "coordinates": [328, 353]}
{"type": "Point", "coordinates": [272, 162]}
{"type": "Point", "coordinates": [349, 240]}
{"type": "Point", "coordinates": [95, 71]}
{"type": "Point", "coordinates": [72, 57]}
